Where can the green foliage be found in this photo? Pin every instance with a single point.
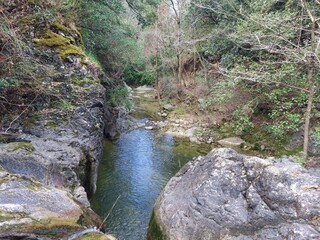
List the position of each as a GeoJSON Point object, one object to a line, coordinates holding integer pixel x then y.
{"type": "Point", "coordinates": [118, 96]}
{"type": "Point", "coordinates": [144, 10]}
{"type": "Point", "coordinates": [300, 160]}
{"type": "Point", "coordinates": [316, 135]}
{"type": "Point", "coordinates": [241, 117]}
{"type": "Point", "coordinates": [93, 57]}
{"type": "Point", "coordinates": [133, 76]}
{"type": "Point", "coordinates": [112, 36]}
{"type": "Point", "coordinates": [8, 82]}
{"type": "Point", "coordinates": [286, 103]}
{"type": "Point", "coordinates": [63, 104]}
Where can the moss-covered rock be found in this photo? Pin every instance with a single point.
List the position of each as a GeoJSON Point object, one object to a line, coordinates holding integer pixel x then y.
{"type": "Point", "coordinates": [64, 44]}
{"type": "Point", "coordinates": [26, 146]}
{"type": "Point", "coordinates": [28, 206]}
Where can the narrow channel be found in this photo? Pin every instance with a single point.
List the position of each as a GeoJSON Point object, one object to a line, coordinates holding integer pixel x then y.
{"type": "Point", "coordinates": [136, 167]}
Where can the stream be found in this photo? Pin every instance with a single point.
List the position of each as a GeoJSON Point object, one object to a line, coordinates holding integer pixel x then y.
{"type": "Point", "coordinates": [136, 167]}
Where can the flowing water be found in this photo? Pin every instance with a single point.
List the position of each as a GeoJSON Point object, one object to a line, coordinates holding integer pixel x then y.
{"type": "Point", "coordinates": [136, 167]}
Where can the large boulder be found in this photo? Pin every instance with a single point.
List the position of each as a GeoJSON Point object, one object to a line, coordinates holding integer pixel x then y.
{"type": "Point", "coordinates": [226, 195]}
{"type": "Point", "coordinates": [28, 206]}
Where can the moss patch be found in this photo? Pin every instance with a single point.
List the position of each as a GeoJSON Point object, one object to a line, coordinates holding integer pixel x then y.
{"type": "Point", "coordinates": [60, 27]}
{"type": "Point", "coordinates": [53, 227]}
{"type": "Point", "coordinates": [94, 236]}
{"type": "Point", "coordinates": [34, 2]}
{"type": "Point", "coordinates": [154, 231]}
{"type": "Point", "coordinates": [28, 20]}
{"type": "Point", "coordinates": [35, 187]}
{"type": "Point", "coordinates": [63, 44]}
{"type": "Point", "coordinates": [23, 145]}
{"type": "Point", "coordinates": [65, 51]}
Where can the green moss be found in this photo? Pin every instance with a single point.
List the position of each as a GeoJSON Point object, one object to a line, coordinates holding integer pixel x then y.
{"type": "Point", "coordinates": [23, 145]}
{"type": "Point", "coordinates": [29, 19]}
{"type": "Point", "coordinates": [52, 228]}
{"type": "Point", "coordinates": [80, 37]}
{"type": "Point", "coordinates": [34, 2]}
{"type": "Point", "coordinates": [63, 44]}
{"type": "Point", "coordinates": [52, 39]}
{"type": "Point", "coordinates": [281, 151]}
{"type": "Point", "coordinates": [30, 122]}
{"type": "Point", "coordinates": [154, 231]}
{"type": "Point", "coordinates": [72, 34]}
{"type": "Point", "coordinates": [52, 125]}
{"type": "Point", "coordinates": [60, 27]}
{"type": "Point", "coordinates": [179, 111]}
{"type": "Point", "coordinates": [94, 236]}
{"type": "Point", "coordinates": [65, 51]}
{"type": "Point", "coordinates": [83, 81]}
{"type": "Point", "coordinates": [36, 187]}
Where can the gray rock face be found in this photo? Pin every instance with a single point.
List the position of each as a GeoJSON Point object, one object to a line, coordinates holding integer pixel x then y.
{"type": "Point", "coordinates": [58, 150]}
{"type": "Point", "coordinates": [226, 195]}
{"type": "Point", "coordinates": [117, 121]}
{"type": "Point", "coordinates": [296, 141]}
{"type": "Point", "coordinates": [61, 150]}
{"type": "Point", "coordinates": [27, 202]}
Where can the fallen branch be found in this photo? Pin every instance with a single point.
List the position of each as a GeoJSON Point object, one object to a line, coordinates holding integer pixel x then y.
{"type": "Point", "coordinates": [114, 204]}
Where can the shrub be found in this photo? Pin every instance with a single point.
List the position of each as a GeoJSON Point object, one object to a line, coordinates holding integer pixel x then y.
{"type": "Point", "coordinates": [118, 96]}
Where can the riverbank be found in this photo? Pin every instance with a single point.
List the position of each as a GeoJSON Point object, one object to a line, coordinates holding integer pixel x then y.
{"type": "Point", "coordinates": [191, 121]}
{"type": "Point", "coordinates": [178, 122]}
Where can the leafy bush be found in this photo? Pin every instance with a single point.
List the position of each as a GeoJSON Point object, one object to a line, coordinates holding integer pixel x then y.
{"type": "Point", "coordinates": [241, 117]}
{"type": "Point", "coordinates": [7, 82]}
{"type": "Point", "coordinates": [132, 76]}
{"type": "Point", "coordinates": [118, 96]}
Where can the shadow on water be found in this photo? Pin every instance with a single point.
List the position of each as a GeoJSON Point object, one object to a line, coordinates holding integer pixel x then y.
{"type": "Point", "coordinates": [137, 166]}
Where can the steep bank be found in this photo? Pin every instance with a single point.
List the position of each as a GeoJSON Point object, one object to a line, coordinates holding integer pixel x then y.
{"type": "Point", "coordinates": [52, 121]}
{"type": "Point", "coordinates": [226, 195]}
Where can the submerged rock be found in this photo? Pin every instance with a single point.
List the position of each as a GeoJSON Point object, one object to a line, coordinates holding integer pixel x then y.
{"type": "Point", "coordinates": [231, 142]}
{"type": "Point", "coordinates": [226, 195]}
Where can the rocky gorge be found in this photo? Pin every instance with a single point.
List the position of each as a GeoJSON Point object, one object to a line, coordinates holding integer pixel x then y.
{"type": "Point", "coordinates": [54, 114]}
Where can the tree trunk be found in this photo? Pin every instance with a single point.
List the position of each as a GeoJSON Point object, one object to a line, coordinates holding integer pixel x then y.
{"type": "Point", "coordinates": [310, 80]}
{"type": "Point", "coordinates": [178, 71]}
{"type": "Point", "coordinates": [194, 64]}
{"type": "Point", "coordinates": [181, 79]}
{"type": "Point", "coordinates": [157, 80]}
{"type": "Point", "coordinates": [309, 110]}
